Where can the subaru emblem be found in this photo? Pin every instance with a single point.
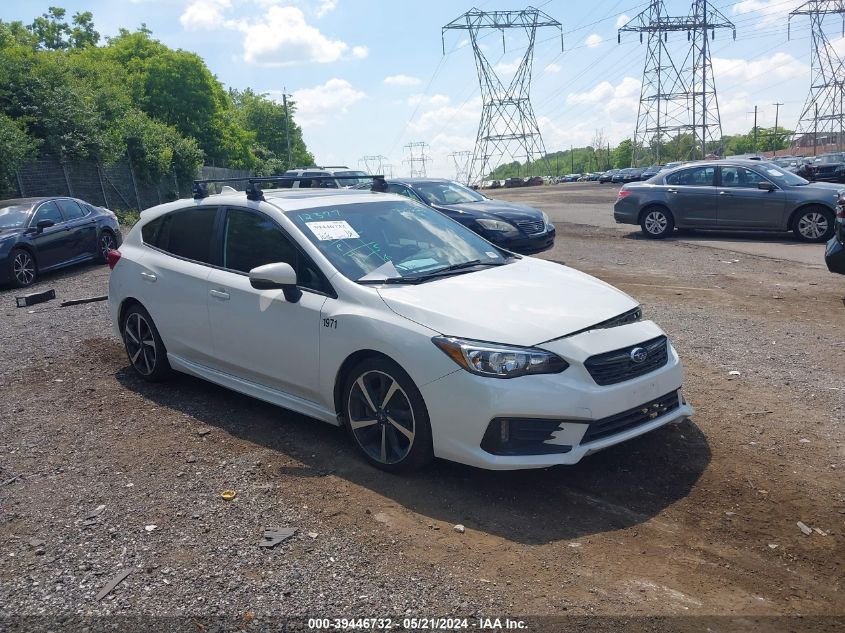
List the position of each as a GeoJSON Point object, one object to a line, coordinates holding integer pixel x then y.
{"type": "Point", "coordinates": [638, 354]}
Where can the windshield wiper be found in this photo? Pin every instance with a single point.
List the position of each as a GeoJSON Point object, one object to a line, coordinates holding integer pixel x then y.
{"type": "Point", "coordinates": [440, 272]}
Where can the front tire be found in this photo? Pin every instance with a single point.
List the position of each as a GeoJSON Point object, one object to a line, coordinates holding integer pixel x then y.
{"type": "Point", "coordinates": [814, 224]}
{"type": "Point", "coordinates": [144, 347]}
{"type": "Point", "coordinates": [386, 417]}
{"type": "Point", "coordinates": [657, 223]}
{"type": "Point", "coordinates": [22, 268]}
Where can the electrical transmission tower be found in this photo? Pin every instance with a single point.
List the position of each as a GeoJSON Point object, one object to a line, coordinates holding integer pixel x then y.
{"type": "Point", "coordinates": [676, 99]}
{"type": "Point", "coordinates": [461, 160]}
{"type": "Point", "coordinates": [372, 164]}
{"type": "Point", "coordinates": [822, 117]}
{"type": "Point", "coordinates": [417, 158]}
{"type": "Point", "coordinates": [508, 127]}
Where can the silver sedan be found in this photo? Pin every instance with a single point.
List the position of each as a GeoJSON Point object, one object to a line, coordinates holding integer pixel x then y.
{"type": "Point", "coordinates": [745, 195]}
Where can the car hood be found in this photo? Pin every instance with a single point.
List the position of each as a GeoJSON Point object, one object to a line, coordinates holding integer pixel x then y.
{"type": "Point", "coordinates": [498, 208]}
{"type": "Point", "coordinates": [9, 233]}
{"type": "Point", "coordinates": [526, 302]}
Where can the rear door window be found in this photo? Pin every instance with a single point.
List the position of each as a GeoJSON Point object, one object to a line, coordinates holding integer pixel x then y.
{"type": "Point", "coordinates": [70, 209]}
{"type": "Point", "coordinates": [187, 233]}
{"type": "Point", "coordinates": [695, 177]}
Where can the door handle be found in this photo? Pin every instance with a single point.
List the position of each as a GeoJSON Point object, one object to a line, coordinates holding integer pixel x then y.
{"type": "Point", "coordinates": [724, 193]}
{"type": "Point", "coordinates": [672, 190]}
{"type": "Point", "coordinates": [148, 277]}
{"type": "Point", "coordinates": [219, 294]}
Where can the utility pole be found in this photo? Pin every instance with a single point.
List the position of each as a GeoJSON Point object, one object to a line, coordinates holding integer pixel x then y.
{"type": "Point", "coordinates": [754, 129]}
{"type": "Point", "coordinates": [571, 160]}
{"type": "Point", "coordinates": [461, 159]}
{"type": "Point", "coordinates": [508, 128]}
{"type": "Point", "coordinates": [287, 127]}
{"type": "Point", "coordinates": [823, 109]}
{"type": "Point", "coordinates": [373, 164]}
{"type": "Point", "coordinates": [775, 135]}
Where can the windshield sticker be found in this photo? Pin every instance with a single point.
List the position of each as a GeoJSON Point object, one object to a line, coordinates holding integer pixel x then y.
{"type": "Point", "coordinates": [491, 254]}
{"type": "Point", "coordinates": [773, 172]}
{"type": "Point", "coordinates": [319, 215]}
{"type": "Point", "coordinates": [336, 230]}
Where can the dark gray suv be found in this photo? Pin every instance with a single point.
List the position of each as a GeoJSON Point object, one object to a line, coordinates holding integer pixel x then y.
{"type": "Point", "coordinates": [730, 195]}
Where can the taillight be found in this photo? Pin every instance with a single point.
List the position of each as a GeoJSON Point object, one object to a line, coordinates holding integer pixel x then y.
{"type": "Point", "coordinates": [624, 193]}
{"type": "Point", "coordinates": [112, 257]}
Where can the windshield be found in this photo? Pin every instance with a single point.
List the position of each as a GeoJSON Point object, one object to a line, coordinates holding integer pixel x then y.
{"type": "Point", "coordinates": [828, 159]}
{"type": "Point", "coordinates": [13, 215]}
{"type": "Point", "coordinates": [446, 193]}
{"type": "Point", "coordinates": [781, 176]}
{"type": "Point", "coordinates": [396, 234]}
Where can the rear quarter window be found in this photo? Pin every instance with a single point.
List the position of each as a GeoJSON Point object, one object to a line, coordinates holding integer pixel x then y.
{"type": "Point", "coordinates": [186, 233]}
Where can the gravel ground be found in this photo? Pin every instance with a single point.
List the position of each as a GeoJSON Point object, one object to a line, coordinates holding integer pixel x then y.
{"type": "Point", "coordinates": [698, 518]}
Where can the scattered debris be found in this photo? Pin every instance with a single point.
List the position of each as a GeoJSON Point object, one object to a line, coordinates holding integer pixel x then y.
{"type": "Point", "coordinates": [574, 545]}
{"type": "Point", "coordinates": [803, 527]}
{"type": "Point", "coordinates": [733, 374]}
{"type": "Point", "coordinates": [803, 440]}
{"type": "Point", "coordinates": [150, 528]}
{"type": "Point", "coordinates": [773, 545]}
{"type": "Point", "coordinates": [203, 432]}
{"type": "Point", "coordinates": [75, 302]}
{"type": "Point", "coordinates": [820, 531]}
{"type": "Point", "coordinates": [459, 528]}
{"type": "Point", "coordinates": [313, 534]}
{"type": "Point", "coordinates": [35, 297]}
{"type": "Point", "coordinates": [766, 412]}
{"type": "Point", "coordinates": [114, 582]}
{"type": "Point", "coordinates": [275, 535]}
{"type": "Point", "coordinates": [228, 495]}
{"type": "Point", "coordinates": [95, 512]}
{"type": "Point", "coordinates": [190, 459]}
{"type": "Point", "coordinates": [10, 481]}
{"type": "Point", "coordinates": [37, 542]}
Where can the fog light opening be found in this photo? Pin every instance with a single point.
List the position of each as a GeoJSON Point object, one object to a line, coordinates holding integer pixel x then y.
{"type": "Point", "coordinates": [504, 431]}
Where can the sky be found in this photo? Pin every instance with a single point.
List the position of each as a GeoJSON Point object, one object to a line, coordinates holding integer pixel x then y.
{"type": "Point", "coordinates": [370, 76]}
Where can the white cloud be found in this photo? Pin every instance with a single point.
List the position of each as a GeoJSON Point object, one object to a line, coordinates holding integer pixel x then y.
{"type": "Point", "coordinates": [330, 100]}
{"type": "Point", "coordinates": [770, 11]}
{"type": "Point", "coordinates": [593, 40]}
{"type": "Point", "coordinates": [508, 68]}
{"type": "Point", "coordinates": [402, 80]}
{"type": "Point", "coordinates": [432, 101]}
{"type": "Point", "coordinates": [552, 68]}
{"type": "Point", "coordinates": [204, 14]}
{"type": "Point", "coordinates": [280, 37]}
{"type": "Point", "coordinates": [605, 93]}
{"type": "Point", "coordinates": [622, 20]}
{"type": "Point", "coordinates": [325, 7]}
{"type": "Point", "coordinates": [778, 67]}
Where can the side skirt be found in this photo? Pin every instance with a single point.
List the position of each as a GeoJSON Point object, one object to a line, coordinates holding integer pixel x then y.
{"type": "Point", "coordinates": [261, 392]}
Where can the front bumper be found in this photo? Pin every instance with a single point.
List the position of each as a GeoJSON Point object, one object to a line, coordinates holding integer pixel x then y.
{"type": "Point", "coordinates": [461, 405]}
{"type": "Point", "coordinates": [522, 244]}
{"type": "Point", "coordinates": [834, 254]}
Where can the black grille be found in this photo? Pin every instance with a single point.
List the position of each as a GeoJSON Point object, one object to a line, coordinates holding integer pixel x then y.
{"type": "Point", "coordinates": [531, 227]}
{"type": "Point", "coordinates": [526, 436]}
{"type": "Point", "coordinates": [632, 418]}
{"type": "Point", "coordinates": [618, 366]}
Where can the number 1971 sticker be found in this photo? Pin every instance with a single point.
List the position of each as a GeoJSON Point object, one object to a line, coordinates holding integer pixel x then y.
{"type": "Point", "coordinates": [334, 230]}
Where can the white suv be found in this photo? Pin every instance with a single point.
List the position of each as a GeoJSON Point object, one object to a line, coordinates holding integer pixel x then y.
{"type": "Point", "coordinates": [332, 177]}
{"type": "Point", "coordinates": [375, 312]}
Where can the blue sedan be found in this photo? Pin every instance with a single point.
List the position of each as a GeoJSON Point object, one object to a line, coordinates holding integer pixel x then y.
{"type": "Point", "coordinates": [42, 234]}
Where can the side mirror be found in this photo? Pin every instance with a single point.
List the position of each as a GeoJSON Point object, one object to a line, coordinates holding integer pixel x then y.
{"type": "Point", "coordinates": [43, 224]}
{"type": "Point", "coordinates": [278, 276]}
{"type": "Point", "coordinates": [766, 186]}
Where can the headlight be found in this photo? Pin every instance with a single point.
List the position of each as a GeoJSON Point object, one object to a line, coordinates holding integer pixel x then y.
{"type": "Point", "coordinates": [499, 361]}
{"type": "Point", "coordinates": [545, 217]}
{"type": "Point", "coordinates": [497, 225]}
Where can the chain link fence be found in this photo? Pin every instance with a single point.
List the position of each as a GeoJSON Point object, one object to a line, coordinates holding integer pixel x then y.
{"type": "Point", "coordinates": [114, 186]}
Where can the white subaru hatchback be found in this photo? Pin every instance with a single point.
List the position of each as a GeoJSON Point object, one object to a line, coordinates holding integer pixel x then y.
{"type": "Point", "coordinates": [377, 313]}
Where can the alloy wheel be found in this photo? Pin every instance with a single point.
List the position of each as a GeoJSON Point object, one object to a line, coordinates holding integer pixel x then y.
{"type": "Point", "coordinates": [812, 225]}
{"type": "Point", "coordinates": [23, 267]}
{"type": "Point", "coordinates": [381, 417]}
{"type": "Point", "coordinates": [107, 243]}
{"type": "Point", "coordinates": [140, 344]}
{"type": "Point", "coordinates": [655, 222]}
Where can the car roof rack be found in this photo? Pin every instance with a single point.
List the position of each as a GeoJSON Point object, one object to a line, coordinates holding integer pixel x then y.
{"type": "Point", "coordinates": [253, 183]}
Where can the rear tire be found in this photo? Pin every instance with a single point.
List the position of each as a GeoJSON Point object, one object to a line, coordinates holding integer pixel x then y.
{"type": "Point", "coordinates": [144, 347]}
{"type": "Point", "coordinates": [386, 416]}
{"type": "Point", "coordinates": [23, 271]}
{"type": "Point", "coordinates": [814, 224]}
{"type": "Point", "coordinates": [657, 223]}
{"type": "Point", "coordinates": [105, 242]}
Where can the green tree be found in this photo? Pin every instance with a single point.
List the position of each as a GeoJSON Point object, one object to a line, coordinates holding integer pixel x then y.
{"type": "Point", "coordinates": [622, 155]}
{"type": "Point", "coordinates": [82, 33]}
{"type": "Point", "coordinates": [16, 147]}
{"type": "Point", "coordinates": [50, 29]}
